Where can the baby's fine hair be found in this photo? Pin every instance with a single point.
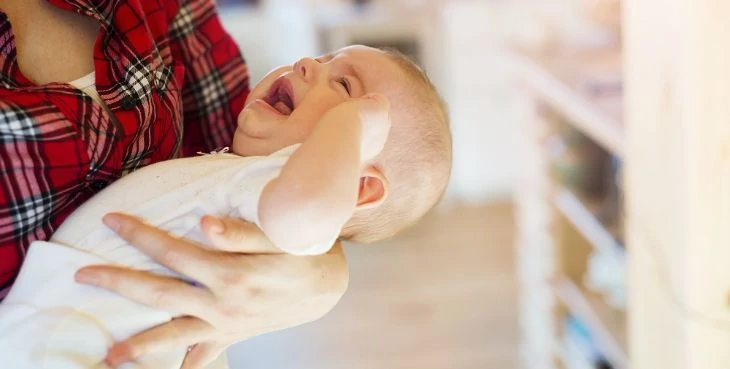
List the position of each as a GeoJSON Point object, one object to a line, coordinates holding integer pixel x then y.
{"type": "Point", "coordinates": [416, 158]}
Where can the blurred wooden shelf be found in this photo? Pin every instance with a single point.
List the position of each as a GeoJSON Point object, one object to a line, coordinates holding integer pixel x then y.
{"type": "Point", "coordinates": [674, 194]}
{"type": "Point", "coordinates": [607, 326]}
{"type": "Point", "coordinates": [578, 212]}
{"type": "Point", "coordinates": [583, 89]}
{"type": "Point", "coordinates": [572, 357]}
{"type": "Point", "coordinates": [583, 85]}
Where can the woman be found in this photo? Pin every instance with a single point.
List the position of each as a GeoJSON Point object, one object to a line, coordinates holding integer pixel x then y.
{"type": "Point", "coordinates": [93, 89]}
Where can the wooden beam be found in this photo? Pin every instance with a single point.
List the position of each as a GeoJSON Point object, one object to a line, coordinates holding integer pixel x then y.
{"type": "Point", "coordinates": [678, 182]}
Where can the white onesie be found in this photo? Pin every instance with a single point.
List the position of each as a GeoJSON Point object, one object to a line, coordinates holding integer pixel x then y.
{"type": "Point", "coordinates": [50, 321]}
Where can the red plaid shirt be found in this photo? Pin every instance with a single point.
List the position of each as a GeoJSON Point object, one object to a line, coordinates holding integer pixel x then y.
{"type": "Point", "coordinates": [171, 76]}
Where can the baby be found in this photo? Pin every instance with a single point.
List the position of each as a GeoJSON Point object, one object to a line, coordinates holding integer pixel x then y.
{"type": "Point", "coordinates": [352, 145]}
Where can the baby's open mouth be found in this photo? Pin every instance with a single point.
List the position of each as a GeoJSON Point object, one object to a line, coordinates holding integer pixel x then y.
{"type": "Point", "coordinates": [281, 96]}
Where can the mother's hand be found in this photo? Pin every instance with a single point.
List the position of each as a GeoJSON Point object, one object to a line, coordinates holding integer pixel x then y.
{"type": "Point", "coordinates": [245, 288]}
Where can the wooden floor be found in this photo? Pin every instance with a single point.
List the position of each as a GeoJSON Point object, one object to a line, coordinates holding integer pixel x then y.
{"type": "Point", "coordinates": [441, 296]}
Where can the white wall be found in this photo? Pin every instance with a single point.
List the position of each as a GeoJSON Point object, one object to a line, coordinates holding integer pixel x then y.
{"type": "Point", "coordinates": [249, 27]}
{"type": "Point", "coordinates": [476, 88]}
{"type": "Point", "coordinates": [279, 32]}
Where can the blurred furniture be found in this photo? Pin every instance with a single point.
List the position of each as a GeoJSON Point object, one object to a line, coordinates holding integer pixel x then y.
{"type": "Point", "coordinates": [569, 219]}
{"type": "Point", "coordinates": [669, 124]}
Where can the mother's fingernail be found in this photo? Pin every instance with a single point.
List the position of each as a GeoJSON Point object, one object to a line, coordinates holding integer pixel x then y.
{"type": "Point", "coordinates": [86, 276]}
{"type": "Point", "coordinates": [215, 225]}
{"type": "Point", "coordinates": [116, 356]}
{"type": "Point", "coordinates": [111, 221]}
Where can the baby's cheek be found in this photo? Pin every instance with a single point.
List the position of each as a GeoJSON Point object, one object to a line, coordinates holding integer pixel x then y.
{"type": "Point", "coordinates": [320, 100]}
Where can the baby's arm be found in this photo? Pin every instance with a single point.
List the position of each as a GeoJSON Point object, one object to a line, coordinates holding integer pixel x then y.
{"type": "Point", "coordinates": [316, 193]}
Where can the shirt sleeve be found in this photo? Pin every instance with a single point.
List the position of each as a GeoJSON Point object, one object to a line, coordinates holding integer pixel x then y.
{"type": "Point", "coordinates": [216, 76]}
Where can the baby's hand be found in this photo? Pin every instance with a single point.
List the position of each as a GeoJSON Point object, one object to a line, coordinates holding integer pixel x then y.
{"type": "Point", "coordinates": [374, 113]}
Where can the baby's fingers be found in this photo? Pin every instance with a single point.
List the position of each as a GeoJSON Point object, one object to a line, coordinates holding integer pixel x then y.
{"type": "Point", "coordinates": [180, 332]}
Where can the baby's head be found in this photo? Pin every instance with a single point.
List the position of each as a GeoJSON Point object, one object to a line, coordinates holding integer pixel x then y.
{"type": "Point", "coordinates": [398, 186]}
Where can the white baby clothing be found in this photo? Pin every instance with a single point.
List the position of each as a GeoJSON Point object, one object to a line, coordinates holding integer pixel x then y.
{"type": "Point", "coordinates": [87, 84]}
{"type": "Point", "coordinates": [50, 321]}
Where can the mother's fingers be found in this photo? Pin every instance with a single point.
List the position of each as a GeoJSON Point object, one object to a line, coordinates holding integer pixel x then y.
{"type": "Point", "coordinates": [180, 255]}
{"type": "Point", "coordinates": [202, 354]}
{"type": "Point", "coordinates": [235, 235]}
{"type": "Point", "coordinates": [179, 332]}
{"type": "Point", "coordinates": [163, 292]}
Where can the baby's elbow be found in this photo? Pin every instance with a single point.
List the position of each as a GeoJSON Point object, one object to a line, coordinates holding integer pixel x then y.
{"type": "Point", "coordinates": [303, 242]}
{"type": "Point", "coordinates": [299, 221]}
{"type": "Point", "coordinates": [296, 234]}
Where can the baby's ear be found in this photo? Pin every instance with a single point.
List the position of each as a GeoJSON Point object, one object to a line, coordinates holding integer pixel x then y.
{"type": "Point", "coordinates": [373, 189]}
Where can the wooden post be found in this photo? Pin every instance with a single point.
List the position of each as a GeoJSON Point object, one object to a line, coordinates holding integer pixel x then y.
{"type": "Point", "coordinates": [678, 182]}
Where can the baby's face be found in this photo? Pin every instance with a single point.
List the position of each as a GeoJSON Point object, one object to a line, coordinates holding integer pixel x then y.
{"type": "Point", "coordinates": [286, 105]}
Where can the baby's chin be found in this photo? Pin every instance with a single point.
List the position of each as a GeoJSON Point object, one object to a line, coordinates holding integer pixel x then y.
{"type": "Point", "coordinates": [244, 137]}
{"type": "Point", "coordinates": [243, 145]}
{"type": "Point", "coordinates": [237, 151]}
{"type": "Point", "coordinates": [238, 146]}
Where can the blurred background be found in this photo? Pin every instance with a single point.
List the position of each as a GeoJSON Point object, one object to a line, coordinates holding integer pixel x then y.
{"type": "Point", "coordinates": [522, 265]}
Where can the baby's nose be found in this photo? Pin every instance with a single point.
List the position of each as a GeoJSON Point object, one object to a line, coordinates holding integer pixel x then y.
{"type": "Point", "coordinates": [306, 68]}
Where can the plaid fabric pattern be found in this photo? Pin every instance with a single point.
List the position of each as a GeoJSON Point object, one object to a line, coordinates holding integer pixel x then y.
{"type": "Point", "coordinates": [173, 80]}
